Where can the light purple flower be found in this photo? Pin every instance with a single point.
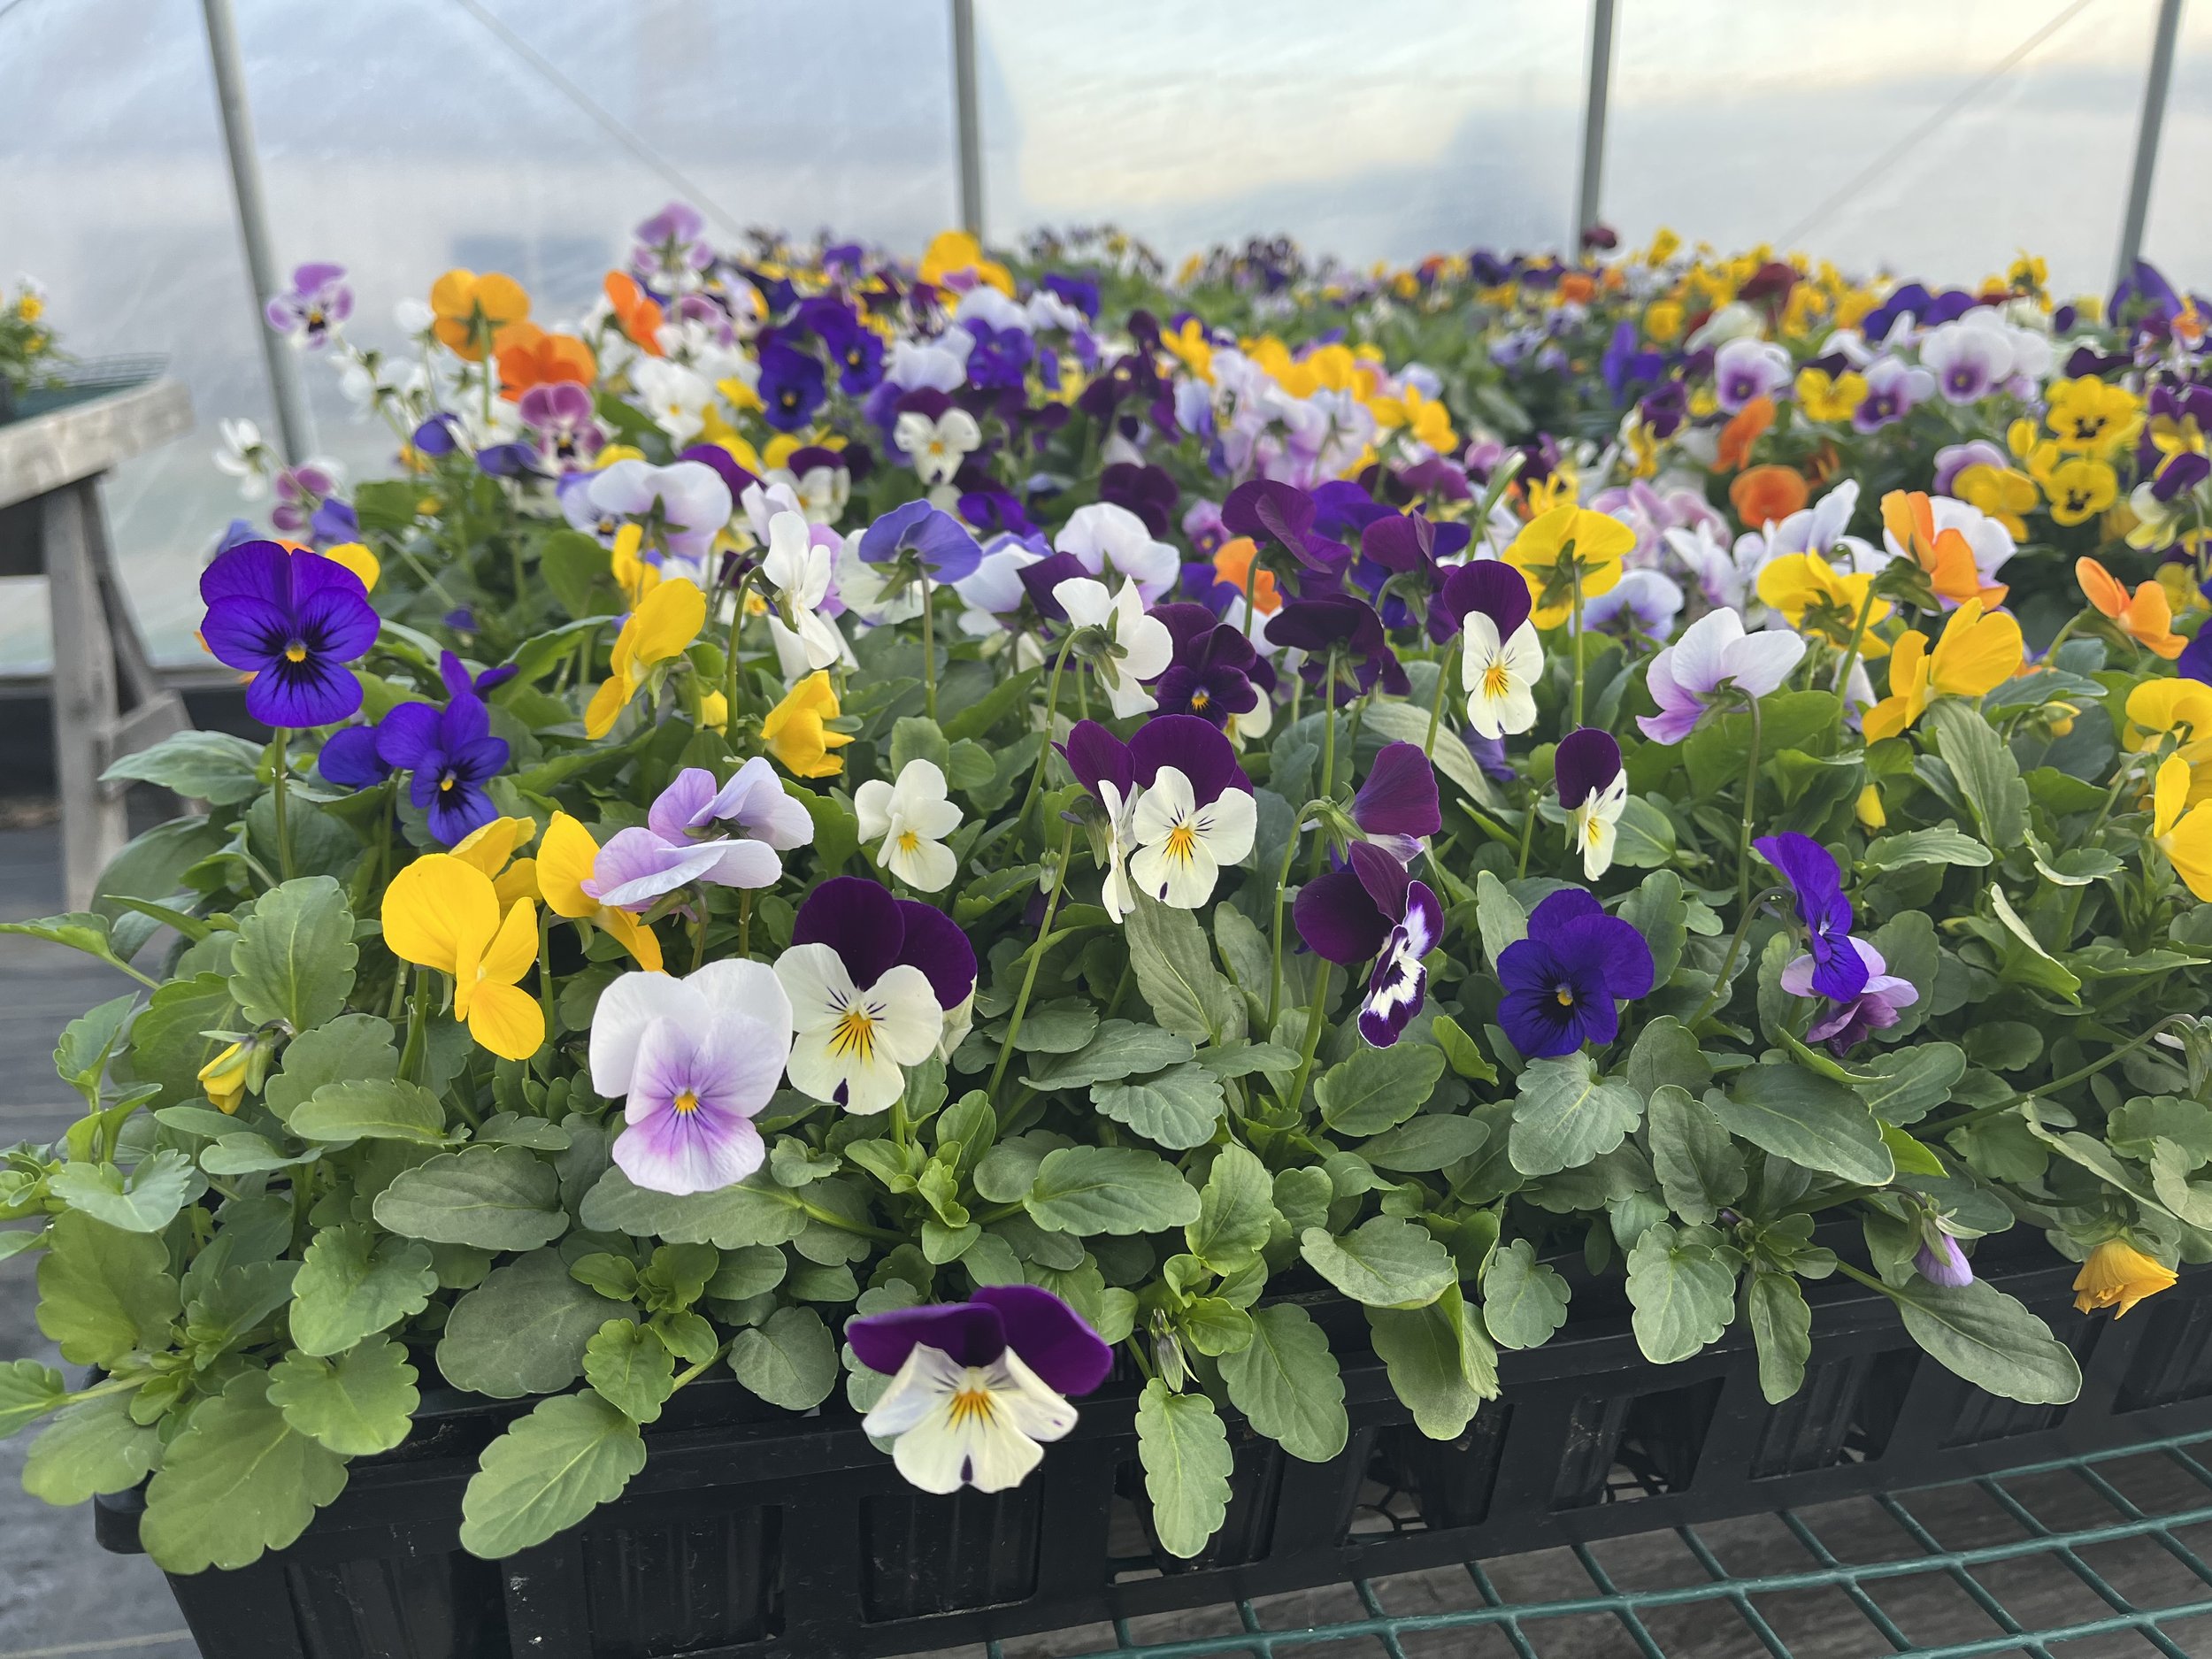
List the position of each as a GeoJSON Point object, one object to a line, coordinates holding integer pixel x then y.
{"type": "Point", "coordinates": [1941, 1261]}
{"type": "Point", "coordinates": [637, 867]}
{"type": "Point", "coordinates": [300, 490]}
{"type": "Point", "coordinates": [1874, 1008]}
{"type": "Point", "coordinates": [668, 253]}
{"type": "Point", "coordinates": [1968, 362]}
{"type": "Point", "coordinates": [696, 1059]}
{"type": "Point", "coordinates": [1954, 458]}
{"type": "Point", "coordinates": [311, 309]}
{"type": "Point", "coordinates": [684, 506]}
{"type": "Point", "coordinates": [1643, 602]}
{"type": "Point", "coordinates": [1747, 369]}
{"type": "Point", "coordinates": [1893, 388]}
{"type": "Point", "coordinates": [751, 819]}
{"type": "Point", "coordinates": [560, 418]}
{"type": "Point", "coordinates": [1714, 656]}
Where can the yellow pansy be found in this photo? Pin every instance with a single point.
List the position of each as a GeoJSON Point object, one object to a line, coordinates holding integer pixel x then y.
{"type": "Point", "coordinates": [1663, 246]}
{"type": "Point", "coordinates": [1869, 811]}
{"type": "Point", "coordinates": [1817, 597]}
{"type": "Point", "coordinates": [565, 860]}
{"type": "Point", "coordinates": [1565, 543]}
{"type": "Point", "coordinates": [2119, 1272]}
{"type": "Point", "coordinates": [1662, 321]}
{"type": "Point", "coordinates": [665, 621]}
{"type": "Point", "coordinates": [1978, 653]}
{"type": "Point", "coordinates": [442, 912]}
{"type": "Point", "coordinates": [491, 847]}
{"type": "Point", "coordinates": [714, 712]}
{"type": "Point", "coordinates": [1425, 419]}
{"type": "Point", "coordinates": [2180, 708]}
{"type": "Point", "coordinates": [2087, 415]}
{"type": "Point", "coordinates": [223, 1079]}
{"type": "Point", "coordinates": [2004, 493]}
{"type": "Point", "coordinates": [1191, 349]}
{"type": "Point", "coordinates": [1830, 397]}
{"type": "Point", "coordinates": [795, 734]}
{"type": "Point", "coordinates": [955, 251]}
{"type": "Point", "coordinates": [632, 573]}
{"type": "Point", "coordinates": [2080, 488]}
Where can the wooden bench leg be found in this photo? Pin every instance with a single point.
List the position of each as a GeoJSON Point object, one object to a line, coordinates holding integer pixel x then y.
{"type": "Point", "coordinates": [93, 820]}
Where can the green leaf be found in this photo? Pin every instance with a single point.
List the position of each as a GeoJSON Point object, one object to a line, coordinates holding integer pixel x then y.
{"type": "Point", "coordinates": [546, 1472]}
{"type": "Point", "coordinates": [522, 1331]}
{"type": "Point", "coordinates": [1644, 838]}
{"type": "Point", "coordinates": [82, 1055]}
{"type": "Point", "coordinates": [1440, 1363]}
{"type": "Point", "coordinates": [631, 1367]}
{"type": "Point", "coordinates": [1387, 1263]}
{"type": "Point", "coordinates": [1810, 1120]}
{"type": "Point", "coordinates": [578, 570]}
{"type": "Point", "coordinates": [993, 705]}
{"type": "Point", "coordinates": [1174, 965]}
{"type": "Point", "coordinates": [1782, 1325]}
{"type": "Point", "coordinates": [1288, 1383]}
{"type": "Point", "coordinates": [1910, 1156]}
{"type": "Point", "coordinates": [1990, 1340]}
{"type": "Point", "coordinates": [1244, 951]}
{"type": "Point", "coordinates": [1658, 911]}
{"type": "Point", "coordinates": [358, 1404]}
{"type": "Point", "coordinates": [1378, 1088]}
{"type": "Point", "coordinates": [166, 1045]}
{"type": "Point", "coordinates": [239, 1480]}
{"type": "Point", "coordinates": [1178, 1108]}
{"type": "Point", "coordinates": [145, 1201]}
{"type": "Point", "coordinates": [1184, 1451]}
{"type": "Point", "coordinates": [28, 1390]}
{"type": "Point", "coordinates": [2134, 1128]}
{"type": "Point", "coordinates": [1716, 752]}
{"type": "Point", "coordinates": [1909, 1083]}
{"type": "Point", "coordinates": [1426, 1143]}
{"type": "Point", "coordinates": [496, 1198]}
{"type": "Point", "coordinates": [1119, 1049]}
{"type": "Point", "coordinates": [1499, 918]}
{"type": "Point", "coordinates": [1566, 1116]}
{"type": "Point", "coordinates": [295, 956]}
{"type": "Point", "coordinates": [102, 1292]}
{"type": "Point", "coordinates": [754, 1212]}
{"type": "Point", "coordinates": [836, 830]}
{"type": "Point", "coordinates": [1236, 1212]}
{"type": "Point", "coordinates": [914, 738]}
{"type": "Point", "coordinates": [1987, 774]}
{"type": "Point", "coordinates": [354, 1282]}
{"type": "Point", "coordinates": [1122, 1190]}
{"type": "Point", "coordinates": [1682, 1291]}
{"type": "Point", "coordinates": [1700, 1166]}
{"type": "Point", "coordinates": [1462, 1053]}
{"type": "Point", "coordinates": [1524, 1301]}
{"type": "Point", "coordinates": [1943, 845]}
{"type": "Point", "coordinates": [211, 767]}
{"type": "Point", "coordinates": [372, 1110]}
{"type": "Point", "coordinates": [80, 930]}
{"type": "Point", "coordinates": [1666, 1053]}
{"type": "Point", "coordinates": [93, 1446]}
{"type": "Point", "coordinates": [1059, 1027]}
{"type": "Point", "coordinates": [789, 1362]}
{"type": "Point", "coordinates": [351, 1048]}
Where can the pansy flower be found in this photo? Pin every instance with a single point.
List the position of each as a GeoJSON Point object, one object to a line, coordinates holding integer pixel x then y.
{"type": "Point", "coordinates": [1975, 654]}
{"type": "Point", "coordinates": [920, 540]}
{"type": "Point", "coordinates": [937, 447]}
{"type": "Point", "coordinates": [293, 621]}
{"type": "Point", "coordinates": [1593, 789]}
{"type": "Point", "coordinates": [469, 312]}
{"type": "Point", "coordinates": [1211, 673]}
{"type": "Point", "coordinates": [1847, 1022]}
{"type": "Point", "coordinates": [683, 506]}
{"type": "Point", "coordinates": [450, 752]}
{"type": "Point", "coordinates": [1344, 643]}
{"type": "Point", "coordinates": [1562, 546]}
{"type": "Point", "coordinates": [1284, 514]}
{"type": "Point", "coordinates": [661, 629]}
{"type": "Point", "coordinates": [2146, 615]}
{"type": "Point", "coordinates": [752, 819]}
{"type": "Point", "coordinates": [1178, 807]}
{"type": "Point", "coordinates": [1113, 544]}
{"type": "Point", "coordinates": [796, 731]}
{"type": "Point", "coordinates": [1397, 807]}
{"type": "Point", "coordinates": [1124, 647]}
{"type": "Point", "coordinates": [792, 385]}
{"type": "Point", "coordinates": [561, 418]}
{"type": "Point", "coordinates": [1565, 981]}
{"type": "Point", "coordinates": [1500, 658]}
{"type": "Point", "coordinates": [442, 912]}
{"type": "Point", "coordinates": [2182, 831]}
{"type": "Point", "coordinates": [872, 979]}
{"type": "Point", "coordinates": [2118, 1274]}
{"type": "Point", "coordinates": [1374, 912]}
{"type": "Point", "coordinates": [310, 310]}
{"type": "Point", "coordinates": [1714, 666]}
{"type": "Point", "coordinates": [797, 569]}
{"type": "Point", "coordinates": [567, 859]}
{"type": "Point", "coordinates": [977, 1385]}
{"type": "Point", "coordinates": [693, 1060]}
{"type": "Point", "coordinates": [909, 820]}
{"type": "Point", "coordinates": [1839, 972]}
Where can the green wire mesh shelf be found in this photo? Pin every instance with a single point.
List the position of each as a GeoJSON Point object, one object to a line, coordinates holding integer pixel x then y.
{"type": "Point", "coordinates": [2078, 1559]}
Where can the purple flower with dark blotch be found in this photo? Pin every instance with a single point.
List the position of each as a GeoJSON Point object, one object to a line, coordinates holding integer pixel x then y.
{"type": "Point", "coordinates": [1968, 362]}
{"type": "Point", "coordinates": [734, 478]}
{"type": "Point", "coordinates": [293, 621]}
{"type": "Point", "coordinates": [1848, 1022]}
{"type": "Point", "coordinates": [792, 386]}
{"type": "Point", "coordinates": [560, 416]}
{"type": "Point", "coordinates": [1839, 971]}
{"type": "Point", "coordinates": [1373, 911]}
{"type": "Point", "coordinates": [1340, 628]}
{"type": "Point", "coordinates": [996, 511]}
{"type": "Point", "coordinates": [931, 540]}
{"type": "Point", "coordinates": [452, 754]}
{"type": "Point", "coordinates": [976, 1386]}
{"type": "Point", "coordinates": [1490, 586]}
{"type": "Point", "coordinates": [1715, 664]}
{"type": "Point", "coordinates": [1892, 389]}
{"type": "Point", "coordinates": [1664, 409]}
{"type": "Point", "coordinates": [1747, 369]}
{"type": "Point", "coordinates": [1954, 458]}
{"type": "Point", "coordinates": [1210, 674]}
{"type": "Point", "coordinates": [1266, 509]}
{"type": "Point", "coordinates": [311, 309]}
{"type": "Point", "coordinates": [349, 759]}
{"type": "Point", "coordinates": [752, 818]}
{"type": "Point", "coordinates": [1397, 807]}
{"type": "Point", "coordinates": [1565, 981]}
{"type": "Point", "coordinates": [668, 248]}
{"type": "Point", "coordinates": [1146, 491]}
{"type": "Point", "coordinates": [1940, 1261]}
{"type": "Point", "coordinates": [856, 349]}
{"type": "Point", "coordinates": [300, 490]}
{"type": "Point", "coordinates": [1000, 358]}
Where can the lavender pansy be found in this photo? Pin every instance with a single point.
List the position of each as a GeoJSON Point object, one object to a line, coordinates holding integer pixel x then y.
{"type": "Point", "coordinates": [1565, 981]}
{"type": "Point", "coordinates": [1847, 1022]}
{"type": "Point", "coordinates": [310, 310]}
{"type": "Point", "coordinates": [1839, 971]}
{"type": "Point", "coordinates": [752, 818]}
{"type": "Point", "coordinates": [1113, 544]}
{"type": "Point", "coordinates": [293, 621]}
{"type": "Point", "coordinates": [925, 537]}
{"type": "Point", "coordinates": [683, 506]}
{"type": "Point", "coordinates": [1715, 664]}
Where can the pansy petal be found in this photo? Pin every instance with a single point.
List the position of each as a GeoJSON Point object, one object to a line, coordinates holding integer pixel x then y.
{"type": "Point", "coordinates": [1338, 918]}
{"type": "Point", "coordinates": [1052, 1340]}
{"type": "Point", "coordinates": [858, 920]}
{"type": "Point", "coordinates": [967, 1332]}
{"type": "Point", "coordinates": [1400, 796]}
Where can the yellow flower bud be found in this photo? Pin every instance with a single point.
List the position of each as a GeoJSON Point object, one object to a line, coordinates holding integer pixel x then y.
{"type": "Point", "coordinates": [2119, 1272]}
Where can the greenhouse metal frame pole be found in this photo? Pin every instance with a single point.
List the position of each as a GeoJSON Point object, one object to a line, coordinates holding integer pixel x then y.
{"type": "Point", "coordinates": [1593, 123]}
{"type": "Point", "coordinates": [2147, 137]}
{"type": "Point", "coordinates": [967, 117]}
{"type": "Point", "coordinates": [295, 430]}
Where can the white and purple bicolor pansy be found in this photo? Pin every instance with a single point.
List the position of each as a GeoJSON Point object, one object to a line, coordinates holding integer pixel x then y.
{"type": "Point", "coordinates": [1593, 789]}
{"type": "Point", "coordinates": [872, 979]}
{"type": "Point", "coordinates": [1373, 911]}
{"type": "Point", "coordinates": [977, 1386]}
{"type": "Point", "coordinates": [1500, 658]}
{"type": "Point", "coordinates": [1397, 807]}
{"type": "Point", "coordinates": [1178, 804]}
{"type": "Point", "coordinates": [732, 836]}
{"type": "Point", "coordinates": [693, 1060]}
{"type": "Point", "coordinates": [1715, 664]}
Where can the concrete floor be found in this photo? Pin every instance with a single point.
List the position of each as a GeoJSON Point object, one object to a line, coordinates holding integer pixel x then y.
{"type": "Point", "coordinates": [60, 1594]}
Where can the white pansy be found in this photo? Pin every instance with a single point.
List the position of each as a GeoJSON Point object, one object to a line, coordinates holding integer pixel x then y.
{"type": "Point", "coordinates": [973, 1425]}
{"type": "Point", "coordinates": [675, 397]}
{"type": "Point", "coordinates": [244, 456]}
{"type": "Point", "coordinates": [1112, 542]}
{"type": "Point", "coordinates": [797, 571]}
{"type": "Point", "coordinates": [1141, 646]}
{"type": "Point", "coordinates": [1500, 675]}
{"type": "Point", "coordinates": [1181, 845]}
{"type": "Point", "coordinates": [855, 1043]}
{"type": "Point", "coordinates": [911, 819]}
{"type": "Point", "coordinates": [937, 447]}
{"type": "Point", "coordinates": [1594, 824]}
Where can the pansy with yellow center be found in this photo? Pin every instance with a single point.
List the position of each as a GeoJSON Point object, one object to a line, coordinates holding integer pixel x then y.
{"type": "Point", "coordinates": [442, 912]}
{"type": "Point", "coordinates": [2088, 416]}
{"type": "Point", "coordinates": [1562, 547]}
{"type": "Point", "coordinates": [2080, 488]}
{"type": "Point", "coordinates": [666, 622]}
{"type": "Point", "coordinates": [1817, 598]}
{"type": "Point", "coordinates": [566, 859]}
{"type": "Point", "coordinates": [1978, 653]}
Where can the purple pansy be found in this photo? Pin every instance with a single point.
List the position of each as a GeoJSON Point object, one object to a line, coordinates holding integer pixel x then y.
{"type": "Point", "coordinates": [1849, 1021]}
{"type": "Point", "coordinates": [792, 385]}
{"type": "Point", "coordinates": [752, 817]}
{"type": "Point", "coordinates": [927, 537]}
{"type": "Point", "coordinates": [300, 492]}
{"type": "Point", "coordinates": [1397, 807]}
{"type": "Point", "coordinates": [1339, 628]}
{"type": "Point", "coordinates": [293, 621]}
{"type": "Point", "coordinates": [1266, 509]}
{"type": "Point", "coordinates": [563, 424]}
{"type": "Point", "coordinates": [1563, 982]}
{"type": "Point", "coordinates": [1940, 1260]}
{"type": "Point", "coordinates": [450, 751]}
{"type": "Point", "coordinates": [1839, 971]}
{"type": "Point", "coordinates": [1210, 674]}
{"type": "Point", "coordinates": [311, 309]}
{"type": "Point", "coordinates": [683, 505]}
{"type": "Point", "coordinates": [1374, 911]}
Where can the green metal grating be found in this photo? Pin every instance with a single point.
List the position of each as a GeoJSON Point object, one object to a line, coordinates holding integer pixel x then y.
{"type": "Point", "coordinates": [2077, 1558]}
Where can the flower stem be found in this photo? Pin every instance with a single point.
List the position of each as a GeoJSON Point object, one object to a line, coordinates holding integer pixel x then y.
{"type": "Point", "coordinates": [929, 652]}
{"type": "Point", "coordinates": [1282, 881]}
{"type": "Point", "coordinates": [1314, 1015]}
{"type": "Point", "coordinates": [745, 922]}
{"type": "Point", "coordinates": [1528, 834]}
{"type": "Point", "coordinates": [1052, 713]}
{"type": "Point", "coordinates": [283, 768]}
{"type": "Point", "coordinates": [1327, 789]}
{"type": "Point", "coordinates": [729, 662]}
{"type": "Point", "coordinates": [545, 968]}
{"type": "Point", "coordinates": [1728, 962]}
{"type": "Point", "coordinates": [1574, 641]}
{"type": "Point", "coordinates": [1851, 651]}
{"type": "Point", "coordinates": [1436, 703]}
{"type": "Point", "coordinates": [2055, 1084]}
{"type": "Point", "coordinates": [1036, 957]}
{"type": "Point", "coordinates": [1743, 830]}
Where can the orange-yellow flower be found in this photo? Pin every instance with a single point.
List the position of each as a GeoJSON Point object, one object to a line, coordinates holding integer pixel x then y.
{"type": "Point", "coordinates": [954, 252]}
{"type": "Point", "coordinates": [442, 912]}
{"type": "Point", "coordinates": [1562, 546]}
{"type": "Point", "coordinates": [1232, 564]}
{"type": "Point", "coordinates": [2145, 616]}
{"type": "Point", "coordinates": [1978, 653]}
{"type": "Point", "coordinates": [530, 357]}
{"type": "Point", "coordinates": [1767, 495]}
{"type": "Point", "coordinates": [1946, 555]}
{"type": "Point", "coordinates": [636, 312]}
{"type": "Point", "coordinates": [472, 313]}
{"type": "Point", "coordinates": [796, 733]}
{"type": "Point", "coordinates": [565, 860]}
{"type": "Point", "coordinates": [1745, 428]}
{"type": "Point", "coordinates": [2119, 1272]}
